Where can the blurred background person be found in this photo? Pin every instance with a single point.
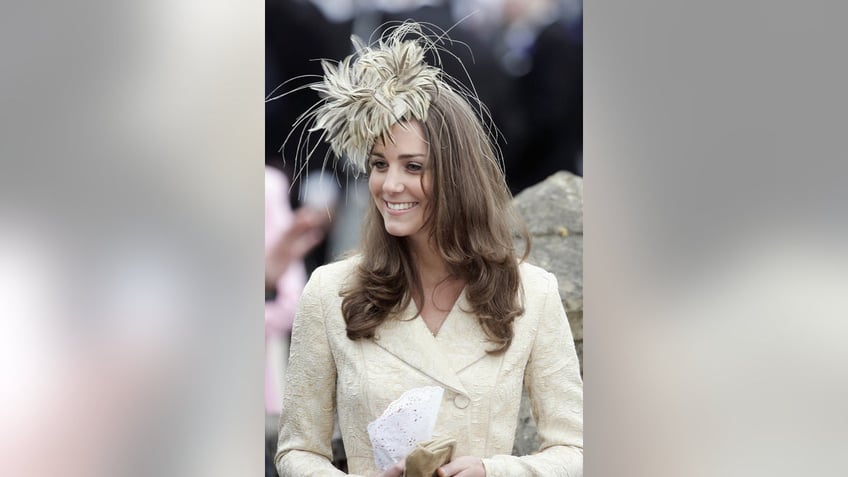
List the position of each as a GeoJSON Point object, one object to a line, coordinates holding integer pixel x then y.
{"type": "Point", "coordinates": [541, 48]}
{"type": "Point", "coordinates": [297, 34]}
{"type": "Point", "coordinates": [289, 236]}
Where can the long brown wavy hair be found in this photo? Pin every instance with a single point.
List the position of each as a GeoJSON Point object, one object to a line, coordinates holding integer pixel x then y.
{"type": "Point", "coordinates": [472, 225]}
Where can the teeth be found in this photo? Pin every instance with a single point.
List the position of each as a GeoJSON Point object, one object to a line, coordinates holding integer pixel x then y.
{"type": "Point", "coordinates": [401, 206]}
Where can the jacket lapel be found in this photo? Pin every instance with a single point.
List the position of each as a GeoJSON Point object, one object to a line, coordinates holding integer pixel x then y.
{"type": "Point", "coordinates": [411, 342]}
{"type": "Point", "coordinates": [461, 337]}
{"type": "Point", "coordinates": [460, 343]}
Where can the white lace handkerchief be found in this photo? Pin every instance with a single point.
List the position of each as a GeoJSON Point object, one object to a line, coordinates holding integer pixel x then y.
{"type": "Point", "coordinates": [408, 420]}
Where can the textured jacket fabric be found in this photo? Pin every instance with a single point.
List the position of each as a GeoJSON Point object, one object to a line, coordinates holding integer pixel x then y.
{"type": "Point", "coordinates": [328, 371]}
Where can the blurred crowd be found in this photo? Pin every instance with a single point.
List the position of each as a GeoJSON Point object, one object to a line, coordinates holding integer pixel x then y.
{"type": "Point", "coordinates": [524, 60]}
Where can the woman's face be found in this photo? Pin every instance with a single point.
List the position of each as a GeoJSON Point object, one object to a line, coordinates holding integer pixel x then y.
{"type": "Point", "coordinates": [400, 180]}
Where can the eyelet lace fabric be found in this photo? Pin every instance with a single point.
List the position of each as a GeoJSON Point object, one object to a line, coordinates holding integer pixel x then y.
{"type": "Point", "coordinates": [408, 420]}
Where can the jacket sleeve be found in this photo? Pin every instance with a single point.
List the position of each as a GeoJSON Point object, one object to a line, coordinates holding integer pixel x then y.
{"type": "Point", "coordinates": [552, 380]}
{"type": "Point", "coordinates": [304, 447]}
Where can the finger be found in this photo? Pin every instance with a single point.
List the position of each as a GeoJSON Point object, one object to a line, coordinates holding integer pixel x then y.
{"type": "Point", "coordinates": [469, 472]}
{"type": "Point", "coordinates": [465, 466]}
{"type": "Point", "coordinates": [450, 469]}
{"type": "Point", "coordinates": [400, 467]}
{"type": "Point", "coordinates": [301, 223]}
{"type": "Point", "coordinates": [311, 217]}
{"type": "Point", "coordinates": [306, 217]}
{"type": "Point", "coordinates": [395, 470]}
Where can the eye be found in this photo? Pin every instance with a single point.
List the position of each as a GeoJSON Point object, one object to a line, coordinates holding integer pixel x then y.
{"type": "Point", "coordinates": [414, 167]}
{"type": "Point", "coordinates": [378, 164]}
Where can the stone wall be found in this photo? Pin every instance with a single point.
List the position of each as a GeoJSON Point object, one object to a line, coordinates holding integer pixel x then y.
{"type": "Point", "coordinates": [553, 212]}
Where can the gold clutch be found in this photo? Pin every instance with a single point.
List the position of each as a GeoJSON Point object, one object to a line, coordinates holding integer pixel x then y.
{"type": "Point", "coordinates": [426, 458]}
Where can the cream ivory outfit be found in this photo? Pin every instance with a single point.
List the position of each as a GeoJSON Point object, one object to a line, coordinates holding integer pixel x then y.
{"type": "Point", "coordinates": [482, 392]}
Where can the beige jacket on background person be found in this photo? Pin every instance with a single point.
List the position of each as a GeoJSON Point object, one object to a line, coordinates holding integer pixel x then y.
{"type": "Point", "coordinates": [482, 392]}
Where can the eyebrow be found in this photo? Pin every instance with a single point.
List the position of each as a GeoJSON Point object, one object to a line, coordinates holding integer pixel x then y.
{"type": "Point", "coordinates": [401, 156]}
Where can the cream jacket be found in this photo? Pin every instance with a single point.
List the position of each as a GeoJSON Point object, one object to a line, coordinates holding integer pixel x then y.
{"type": "Point", "coordinates": [328, 371]}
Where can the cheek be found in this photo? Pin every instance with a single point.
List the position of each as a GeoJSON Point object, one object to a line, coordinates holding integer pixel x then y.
{"type": "Point", "coordinates": [427, 193]}
{"type": "Point", "coordinates": [426, 184]}
{"type": "Point", "coordinates": [374, 186]}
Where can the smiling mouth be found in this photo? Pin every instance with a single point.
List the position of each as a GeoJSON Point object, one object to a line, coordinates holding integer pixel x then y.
{"type": "Point", "coordinates": [401, 205]}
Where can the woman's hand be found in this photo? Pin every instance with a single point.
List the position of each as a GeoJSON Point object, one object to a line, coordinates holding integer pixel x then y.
{"type": "Point", "coordinates": [395, 470]}
{"type": "Point", "coordinates": [465, 466]}
{"type": "Point", "coordinates": [306, 230]}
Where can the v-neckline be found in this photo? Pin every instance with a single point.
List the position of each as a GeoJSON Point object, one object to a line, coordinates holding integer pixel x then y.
{"type": "Point", "coordinates": [447, 320]}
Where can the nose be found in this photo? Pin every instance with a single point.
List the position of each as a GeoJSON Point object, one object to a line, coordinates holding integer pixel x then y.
{"type": "Point", "coordinates": [393, 182]}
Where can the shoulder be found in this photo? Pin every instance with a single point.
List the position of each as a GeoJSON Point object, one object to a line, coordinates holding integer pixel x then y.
{"type": "Point", "coordinates": [539, 287]}
{"type": "Point", "coordinates": [326, 281]}
{"type": "Point", "coordinates": [535, 278]}
{"type": "Point", "coordinates": [336, 273]}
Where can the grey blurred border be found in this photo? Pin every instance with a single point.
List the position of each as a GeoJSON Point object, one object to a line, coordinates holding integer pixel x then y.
{"type": "Point", "coordinates": [130, 234]}
{"type": "Point", "coordinates": [715, 220]}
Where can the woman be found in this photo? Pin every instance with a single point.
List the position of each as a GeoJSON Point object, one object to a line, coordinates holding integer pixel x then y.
{"type": "Point", "coordinates": [436, 296]}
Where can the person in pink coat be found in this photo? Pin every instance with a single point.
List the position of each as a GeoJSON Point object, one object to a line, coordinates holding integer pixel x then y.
{"type": "Point", "coordinates": [289, 236]}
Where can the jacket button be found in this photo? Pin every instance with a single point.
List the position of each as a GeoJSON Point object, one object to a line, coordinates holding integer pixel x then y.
{"type": "Point", "coordinates": [461, 401]}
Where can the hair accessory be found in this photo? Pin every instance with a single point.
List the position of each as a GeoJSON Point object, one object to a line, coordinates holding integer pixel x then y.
{"type": "Point", "coordinates": [366, 93]}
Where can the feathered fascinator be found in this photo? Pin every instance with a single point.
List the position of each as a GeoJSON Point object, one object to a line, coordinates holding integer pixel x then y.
{"type": "Point", "coordinates": [378, 85]}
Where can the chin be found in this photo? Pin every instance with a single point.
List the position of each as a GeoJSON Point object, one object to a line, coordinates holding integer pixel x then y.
{"type": "Point", "coordinates": [397, 233]}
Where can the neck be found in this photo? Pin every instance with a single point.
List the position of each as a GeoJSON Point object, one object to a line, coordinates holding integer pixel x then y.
{"type": "Point", "coordinates": [431, 267]}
